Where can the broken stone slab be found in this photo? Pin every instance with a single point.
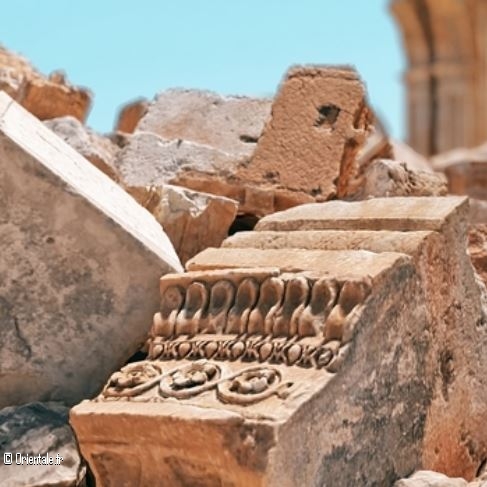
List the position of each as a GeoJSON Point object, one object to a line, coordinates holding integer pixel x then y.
{"type": "Point", "coordinates": [39, 433]}
{"type": "Point", "coordinates": [45, 97]}
{"type": "Point", "coordinates": [397, 214]}
{"type": "Point", "coordinates": [386, 178]}
{"type": "Point", "coordinates": [318, 124]}
{"type": "Point", "coordinates": [80, 260]}
{"type": "Point", "coordinates": [426, 478]}
{"type": "Point", "coordinates": [147, 159]}
{"type": "Point", "coordinates": [130, 114]}
{"type": "Point", "coordinates": [193, 221]}
{"type": "Point", "coordinates": [231, 124]}
{"type": "Point", "coordinates": [99, 150]}
{"type": "Point", "coordinates": [330, 262]}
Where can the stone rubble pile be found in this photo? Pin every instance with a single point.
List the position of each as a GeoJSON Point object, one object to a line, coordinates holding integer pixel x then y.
{"type": "Point", "coordinates": [339, 340]}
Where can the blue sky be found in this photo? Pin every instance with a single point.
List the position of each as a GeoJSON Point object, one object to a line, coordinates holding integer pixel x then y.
{"type": "Point", "coordinates": [125, 49]}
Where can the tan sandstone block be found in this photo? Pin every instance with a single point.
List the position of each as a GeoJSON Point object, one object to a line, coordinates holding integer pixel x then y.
{"type": "Point", "coordinates": [374, 241]}
{"type": "Point", "coordinates": [47, 99]}
{"type": "Point", "coordinates": [399, 214]}
{"type": "Point", "coordinates": [329, 262]}
{"type": "Point", "coordinates": [192, 220]}
{"type": "Point", "coordinates": [356, 377]}
{"type": "Point", "coordinates": [319, 122]}
{"type": "Point", "coordinates": [79, 269]}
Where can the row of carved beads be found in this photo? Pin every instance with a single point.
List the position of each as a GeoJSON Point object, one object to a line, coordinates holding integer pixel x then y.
{"type": "Point", "coordinates": [250, 350]}
{"type": "Point", "coordinates": [276, 307]}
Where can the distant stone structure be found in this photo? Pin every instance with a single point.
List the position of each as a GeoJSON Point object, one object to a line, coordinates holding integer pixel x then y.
{"type": "Point", "coordinates": [446, 79]}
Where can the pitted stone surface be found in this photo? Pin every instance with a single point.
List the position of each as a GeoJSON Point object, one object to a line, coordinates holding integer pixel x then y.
{"type": "Point", "coordinates": [80, 264]}
{"type": "Point", "coordinates": [319, 122]}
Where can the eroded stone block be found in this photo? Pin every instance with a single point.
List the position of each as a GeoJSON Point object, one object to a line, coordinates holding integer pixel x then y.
{"type": "Point", "coordinates": [80, 259]}
{"type": "Point", "coordinates": [192, 220]}
{"type": "Point", "coordinates": [319, 122]}
{"type": "Point", "coordinates": [385, 177]}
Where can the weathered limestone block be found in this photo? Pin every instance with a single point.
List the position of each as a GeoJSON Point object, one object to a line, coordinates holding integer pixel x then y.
{"type": "Point", "coordinates": [99, 150]}
{"type": "Point", "coordinates": [319, 122]}
{"type": "Point", "coordinates": [235, 397]}
{"type": "Point", "coordinates": [193, 221]}
{"type": "Point", "coordinates": [79, 262]}
{"type": "Point", "coordinates": [227, 123]}
{"type": "Point", "coordinates": [385, 177]}
{"type": "Point", "coordinates": [130, 114]}
{"type": "Point", "coordinates": [333, 367]}
{"type": "Point", "coordinates": [45, 97]}
{"type": "Point", "coordinates": [425, 478]}
{"type": "Point", "coordinates": [36, 430]}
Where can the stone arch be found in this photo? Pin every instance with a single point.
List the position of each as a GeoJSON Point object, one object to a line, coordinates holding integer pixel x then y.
{"type": "Point", "coordinates": [414, 36]}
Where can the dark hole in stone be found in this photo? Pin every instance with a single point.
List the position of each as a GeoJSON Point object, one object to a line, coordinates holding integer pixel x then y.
{"type": "Point", "coordinates": [137, 357]}
{"type": "Point", "coordinates": [316, 191]}
{"type": "Point", "coordinates": [248, 139]}
{"type": "Point", "coordinates": [49, 240]}
{"type": "Point", "coordinates": [327, 115]}
{"type": "Point", "coordinates": [243, 223]}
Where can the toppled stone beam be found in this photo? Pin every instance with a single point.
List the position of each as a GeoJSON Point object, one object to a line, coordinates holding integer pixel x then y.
{"type": "Point", "coordinates": [80, 259]}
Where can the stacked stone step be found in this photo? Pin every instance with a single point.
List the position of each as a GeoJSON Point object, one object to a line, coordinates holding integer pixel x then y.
{"type": "Point", "coordinates": [336, 345]}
